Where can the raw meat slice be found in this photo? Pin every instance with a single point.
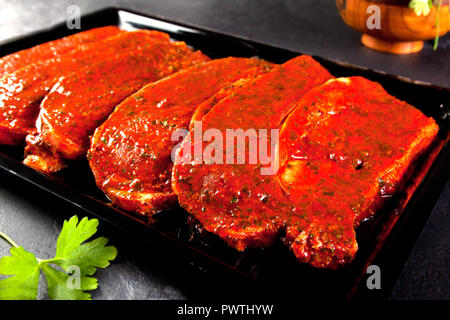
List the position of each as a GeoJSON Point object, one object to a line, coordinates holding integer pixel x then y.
{"type": "Point", "coordinates": [22, 91]}
{"type": "Point", "coordinates": [51, 49]}
{"type": "Point", "coordinates": [81, 101]}
{"type": "Point", "coordinates": [347, 146]}
{"type": "Point", "coordinates": [208, 104]}
{"type": "Point", "coordinates": [130, 153]}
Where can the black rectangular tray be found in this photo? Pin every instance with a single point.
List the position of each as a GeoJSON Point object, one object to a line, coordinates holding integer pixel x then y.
{"type": "Point", "coordinates": [386, 240]}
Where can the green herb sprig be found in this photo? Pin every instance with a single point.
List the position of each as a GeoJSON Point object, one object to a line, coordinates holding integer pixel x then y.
{"type": "Point", "coordinates": [423, 7]}
{"type": "Point", "coordinates": [73, 258]}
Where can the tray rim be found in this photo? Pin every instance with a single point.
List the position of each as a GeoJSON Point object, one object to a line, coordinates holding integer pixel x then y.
{"type": "Point", "coordinates": [116, 11]}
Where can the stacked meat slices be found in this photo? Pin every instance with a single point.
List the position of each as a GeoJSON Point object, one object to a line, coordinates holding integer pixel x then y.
{"type": "Point", "coordinates": [341, 153]}
{"type": "Point", "coordinates": [338, 154]}
{"type": "Point", "coordinates": [79, 102]}
{"type": "Point", "coordinates": [130, 154]}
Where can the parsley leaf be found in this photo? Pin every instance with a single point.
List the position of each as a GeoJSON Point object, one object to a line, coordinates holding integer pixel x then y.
{"type": "Point", "coordinates": [87, 256]}
{"type": "Point", "coordinates": [68, 274]}
{"type": "Point", "coordinates": [24, 270]}
{"type": "Point", "coordinates": [58, 288]}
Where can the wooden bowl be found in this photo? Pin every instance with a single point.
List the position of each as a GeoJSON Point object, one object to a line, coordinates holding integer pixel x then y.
{"type": "Point", "coordinates": [401, 30]}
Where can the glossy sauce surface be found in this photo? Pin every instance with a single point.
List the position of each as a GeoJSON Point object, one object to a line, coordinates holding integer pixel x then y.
{"type": "Point", "coordinates": [80, 102]}
{"type": "Point", "coordinates": [234, 200]}
{"type": "Point", "coordinates": [130, 153]}
{"type": "Point", "coordinates": [21, 92]}
{"type": "Point", "coordinates": [343, 154]}
{"type": "Point", "coordinates": [48, 50]}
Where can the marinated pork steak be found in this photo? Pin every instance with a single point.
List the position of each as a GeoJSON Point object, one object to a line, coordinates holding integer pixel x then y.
{"type": "Point", "coordinates": [81, 101]}
{"type": "Point", "coordinates": [22, 91]}
{"type": "Point", "coordinates": [130, 153]}
{"type": "Point", "coordinates": [233, 200]}
{"type": "Point", "coordinates": [347, 146]}
{"type": "Point", "coordinates": [48, 50]}
{"type": "Point", "coordinates": [208, 104]}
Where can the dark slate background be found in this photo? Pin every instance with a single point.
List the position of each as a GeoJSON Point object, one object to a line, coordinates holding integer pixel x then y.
{"type": "Point", "coordinates": [33, 219]}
